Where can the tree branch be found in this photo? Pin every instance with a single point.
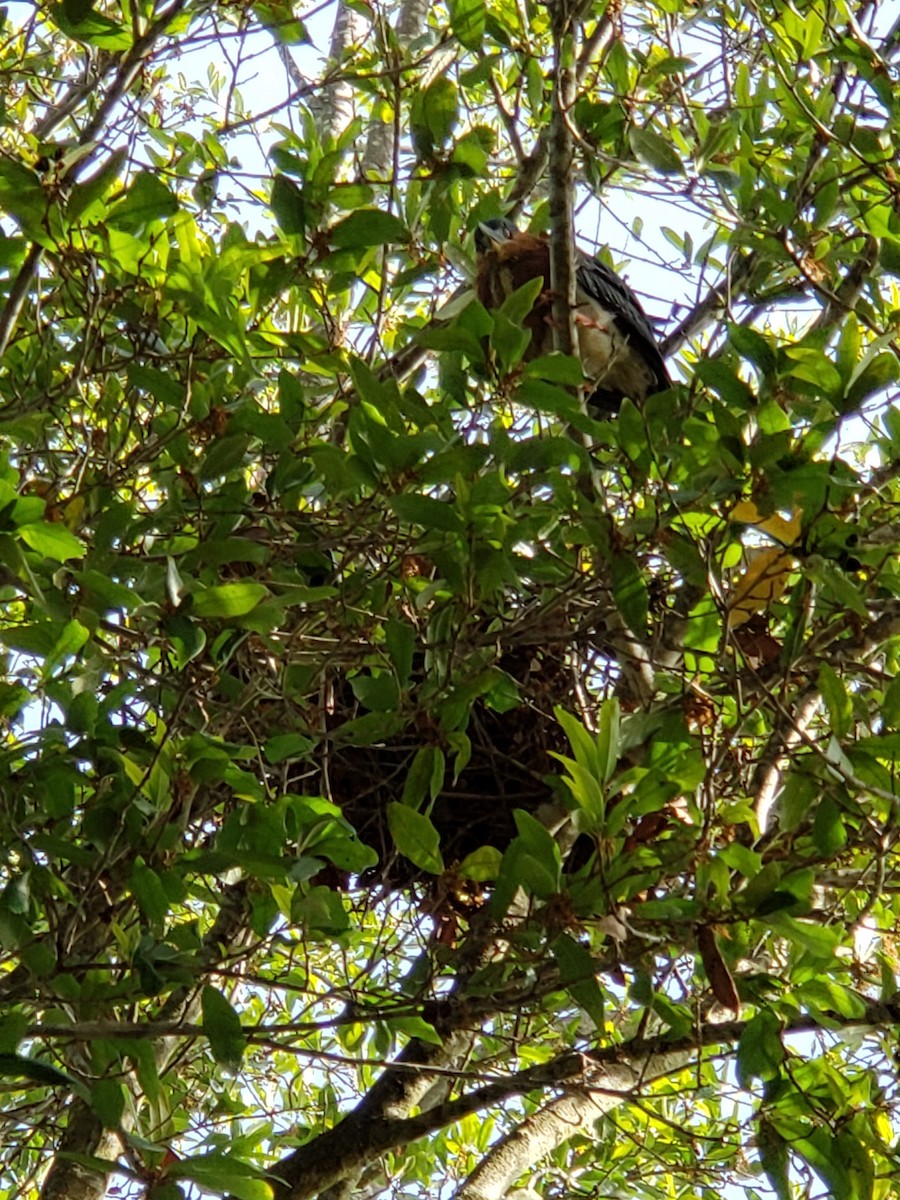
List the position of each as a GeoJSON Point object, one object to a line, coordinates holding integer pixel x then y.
{"type": "Point", "coordinates": [612, 1072]}
{"type": "Point", "coordinates": [561, 158]}
{"type": "Point", "coordinates": [532, 1140]}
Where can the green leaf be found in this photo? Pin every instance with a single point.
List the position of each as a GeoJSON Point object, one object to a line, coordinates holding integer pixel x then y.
{"type": "Point", "coordinates": [415, 837]}
{"type": "Point", "coordinates": [417, 784]}
{"type": "Point", "coordinates": [369, 227]}
{"type": "Point", "coordinates": [655, 151]}
{"type": "Point", "coordinates": [150, 895]}
{"type": "Point", "coordinates": [92, 28]}
{"type": "Point", "coordinates": [890, 705]}
{"type": "Point", "coordinates": [223, 1030]}
{"type": "Point", "coordinates": [509, 341]}
{"type": "Point", "coordinates": [812, 366]}
{"type": "Point", "coordinates": [278, 17]}
{"type": "Point", "coordinates": [161, 1190]}
{"type": "Point", "coordinates": [72, 637]}
{"type": "Point", "coordinates": [20, 1066]}
{"type": "Point", "coordinates": [836, 585]}
{"type": "Point", "coordinates": [849, 347]}
{"type": "Point", "coordinates": [285, 746]}
{"type": "Point", "coordinates": [21, 193]}
{"type": "Point", "coordinates": [828, 832]}
{"type": "Point", "coordinates": [826, 996]}
{"type": "Point", "coordinates": [288, 205]}
{"type": "Point", "coordinates": [467, 20]}
{"type": "Point", "coordinates": [837, 700]}
{"type": "Point", "coordinates": [577, 974]}
{"type": "Point", "coordinates": [228, 599]}
{"type": "Point", "coordinates": [585, 789]}
{"type": "Point", "coordinates": [889, 255]}
{"type": "Point", "coordinates": [481, 865]}
{"type": "Point", "coordinates": [502, 693]}
{"type": "Point", "coordinates": [225, 455]}
{"type": "Point", "coordinates": [225, 1174]}
{"type": "Point", "coordinates": [416, 1027]}
{"type": "Point", "coordinates": [471, 153]}
{"type": "Point", "coordinates": [108, 1102]}
{"type": "Point", "coordinates": [820, 942]}
{"type": "Point", "coordinates": [519, 303]}
{"type": "Point", "coordinates": [539, 877]}
{"type": "Point", "coordinates": [16, 894]}
{"type": "Point", "coordinates": [13, 1028]}
{"type": "Point", "coordinates": [875, 377]}
{"type": "Point", "coordinates": [51, 540]}
{"type": "Point", "coordinates": [760, 1050]}
{"type": "Point", "coordinates": [596, 758]}
{"type": "Point", "coordinates": [377, 693]}
{"type": "Point", "coordinates": [77, 10]}
{"type": "Point", "coordinates": [608, 738]}
{"type": "Point", "coordinates": [433, 115]}
{"type": "Point", "coordinates": [676, 1016]}
{"type": "Point", "coordinates": [84, 193]}
{"type": "Point", "coordinates": [583, 742]}
{"type": "Point", "coordinates": [427, 512]}
{"type": "Point", "coordinates": [464, 333]}
{"type": "Point", "coordinates": [724, 380]}
{"type": "Point", "coordinates": [773, 1156]}
{"type": "Point", "coordinates": [555, 368]}
{"type": "Point", "coordinates": [630, 592]}
{"type": "Point", "coordinates": [541, 857]}
{"type": "Point", "coordinates": [147, 199]}
{"type": "Point", "coordinates": [751, 344]}
{"type": "Point", "coordinates": [829, 1160]}
{"type": "Point", "coordinates": [371, 728]}
{"type": "Point", "coordinates": [400, 639]}
{"type": "Point", "coordinates": [321, 912]}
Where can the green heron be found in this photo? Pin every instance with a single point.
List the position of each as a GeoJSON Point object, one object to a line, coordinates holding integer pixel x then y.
{"type": "Point", "coordinates": [616, 343]}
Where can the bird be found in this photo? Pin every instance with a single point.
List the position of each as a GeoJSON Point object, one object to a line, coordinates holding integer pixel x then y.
{"type": "Point", "coordinates": [616, 343]}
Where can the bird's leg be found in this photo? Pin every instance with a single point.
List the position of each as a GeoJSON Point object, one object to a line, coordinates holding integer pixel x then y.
{"type": "Point", "coordinates": [583, 318]}
{"type": "Point", "coordinates": [545, 300]}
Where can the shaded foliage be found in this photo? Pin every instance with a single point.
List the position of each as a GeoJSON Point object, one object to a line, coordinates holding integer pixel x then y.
{"type": "Point", "coordinates": [412, 785]}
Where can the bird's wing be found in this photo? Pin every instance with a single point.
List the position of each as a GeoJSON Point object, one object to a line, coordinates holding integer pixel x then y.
{"type": "Point", "coordinates": [602, 285]}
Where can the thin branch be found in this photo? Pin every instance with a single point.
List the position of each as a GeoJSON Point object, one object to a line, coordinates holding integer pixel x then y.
{"type": "Point", "coordinates": [613, 1071]}
{"type": "Point", "coordinates": [719, 297]}
{"type": "Point", "coordinates": [125, 76]}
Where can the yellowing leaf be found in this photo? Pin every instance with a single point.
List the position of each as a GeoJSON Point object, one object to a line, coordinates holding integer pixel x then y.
{"type": "Point", "coordinates": [782, 530]}
{"type": "Point", "coordinates": [73, 512]}
{"type": "Point", "coordinates": [760, 585]}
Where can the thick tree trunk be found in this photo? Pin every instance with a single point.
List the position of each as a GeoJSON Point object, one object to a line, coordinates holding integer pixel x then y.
{"type": "Point", "coordinates": [333, 106]}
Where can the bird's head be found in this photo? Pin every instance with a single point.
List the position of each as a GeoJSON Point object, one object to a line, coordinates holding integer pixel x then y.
{"type": "Point", "coordinates": [494, 232]}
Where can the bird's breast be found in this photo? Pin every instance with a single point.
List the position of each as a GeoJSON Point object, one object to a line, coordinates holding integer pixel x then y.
{"type": "Point", "coordinates": [607, 358]}
{"type": "Point", "coordinates": [609, 362]}
{"type": "Point", "coordinates": [509, 267]}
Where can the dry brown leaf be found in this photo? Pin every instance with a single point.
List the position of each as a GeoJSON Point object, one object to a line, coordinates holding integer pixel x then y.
{"type": "Point", "coordinates": [717, 972]}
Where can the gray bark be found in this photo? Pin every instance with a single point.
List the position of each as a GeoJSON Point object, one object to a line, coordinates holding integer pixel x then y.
{"type": "Point", "coordinates": [333, 106]}
{"type": "Point", "coordinates": [381, 144]}
{"type": "Point", "coordinates": [552, 1125]}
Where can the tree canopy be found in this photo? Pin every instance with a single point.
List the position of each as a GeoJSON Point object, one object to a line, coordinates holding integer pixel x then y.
{"type": "Point", "coordinates": [413, 785]}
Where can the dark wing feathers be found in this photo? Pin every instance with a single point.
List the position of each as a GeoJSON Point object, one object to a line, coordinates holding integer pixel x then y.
{"type": "Point", "coordinates": [600, 282]}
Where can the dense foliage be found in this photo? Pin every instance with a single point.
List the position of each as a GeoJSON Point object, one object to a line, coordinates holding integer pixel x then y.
{"type": "Point", "coordinates": [411, 785]}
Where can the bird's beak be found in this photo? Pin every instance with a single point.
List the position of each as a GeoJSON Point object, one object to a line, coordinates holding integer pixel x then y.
{"type": "Point", "coordinates": [490, 234]}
